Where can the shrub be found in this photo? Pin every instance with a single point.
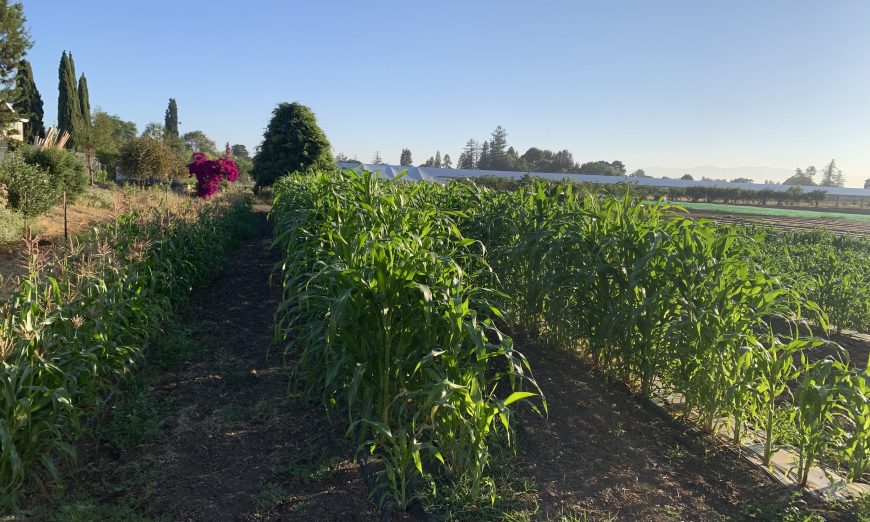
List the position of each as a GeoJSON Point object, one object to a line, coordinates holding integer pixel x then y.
{"type": "Point", "coordinates": [210, 173]}
{"type": "Point", "coordinates": [147, 159]}
{"type": "Point", "coordinates": [66, 171]}
{"type": "Point", "coordinates": [31, 191]}
{"type": "Point", "coordinates": [11, 225]}
{"type": "Point", "coordinates": [293, 142]}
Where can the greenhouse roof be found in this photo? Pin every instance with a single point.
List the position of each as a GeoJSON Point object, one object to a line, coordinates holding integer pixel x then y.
{"type": "Point", "coordinates": [437, 174]}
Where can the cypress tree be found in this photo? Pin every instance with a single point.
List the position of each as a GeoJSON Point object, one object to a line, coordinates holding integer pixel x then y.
{"type": "Point", "coordinates": [68, 107]}
{"type": "Point", "coordinates": [84, 102]}
{"type": "Point", "coordinates": [28, 102]}
{"type": "Point", "coordinates": [170, 123]}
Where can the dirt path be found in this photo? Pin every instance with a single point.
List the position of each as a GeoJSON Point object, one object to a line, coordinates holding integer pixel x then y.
{"type": "Point", "coordinates": [235, 446]}
{"type": "Point", "coordinates": [604, 454]}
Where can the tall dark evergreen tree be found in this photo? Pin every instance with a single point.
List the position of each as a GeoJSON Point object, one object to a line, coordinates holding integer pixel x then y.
{"type": "Point", "coordinates": [485, 160]}
{"type": "Point", "coordinates": [68, 106]}
{"type": "Point", "coordinates": [14, 43]}
{"type": "Point", "coordinates": [447, 163]}
{"type": "Point", "coordinates": [28, 102]}
{"type": "Point", "coordinates": [171, 120]}
{"type": "Point", "coordinates": [470, 155]}
{"type": "Point", "coordinates": [497, 149]}
{"type": "Point", "coordinates": [84, 104]}
{"type": "Point", "coordinates": [405, 157]}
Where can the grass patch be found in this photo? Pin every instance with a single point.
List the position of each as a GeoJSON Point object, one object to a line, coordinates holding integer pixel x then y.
{"type": "Point", "coordinates": [135, 419]}
{"type": "Point", "coordinates": [271, 497]}
{"type": "Point", "coordinates": [175, 347]}
{"type": "Point", "coordinates": [773, 212]}
{"type": "Point", "coordinates": [108, 501]}
{"type": "Point", "coordinates": [510, 496]}
{"type": "Point", "coordinates": [314, 466]}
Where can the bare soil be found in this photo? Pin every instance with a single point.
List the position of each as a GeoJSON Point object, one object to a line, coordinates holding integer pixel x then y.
{"type": "Point", "coordinates": [605, 453]}
{"type": "Point", "coordinates": [838, 226]}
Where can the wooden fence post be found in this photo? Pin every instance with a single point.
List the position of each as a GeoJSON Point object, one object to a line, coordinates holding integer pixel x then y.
{"type": "Point", "coordinates": [65, 229]}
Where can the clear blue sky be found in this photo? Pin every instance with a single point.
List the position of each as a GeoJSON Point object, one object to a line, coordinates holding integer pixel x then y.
{"type": "Point", "coordinates": [667, 83]}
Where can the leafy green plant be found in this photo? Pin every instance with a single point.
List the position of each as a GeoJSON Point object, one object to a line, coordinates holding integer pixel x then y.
{"type": "Point", "coordinates": [11, 226]}
{"type": "Point", "coordinates": [31, 191]}
{"type": "Point", "coordinates": [818, 398]}
{"type": "Point", "coordinates": [75, 328]}
{"type": "Point", "coordinates": [65, 170]}
{"type": "Point", "coordinates": [381, 302]}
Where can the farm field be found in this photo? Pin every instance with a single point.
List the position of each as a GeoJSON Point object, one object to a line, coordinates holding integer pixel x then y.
{"type": "Point", "coordinates": [539, 385]}
{"type": "Point", "coordinates": [826, 214]}
{"type": "Point", "coordinates": [598, 306]}
{"type": "Point", "coordinates": [845, 223]}
{"type": "Point", "coordinates": [231, 443]}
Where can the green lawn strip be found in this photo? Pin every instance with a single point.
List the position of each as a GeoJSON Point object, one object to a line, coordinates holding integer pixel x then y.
{"type": "Point", "coordinates": [774, 212]}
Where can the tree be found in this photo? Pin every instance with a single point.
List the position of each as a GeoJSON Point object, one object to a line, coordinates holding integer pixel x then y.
{"type": "Point", "coordinates": [867, 183]}
{"type": "Point", "coordinates": [563, 161]}
{"type": "Point", "coordinates": [832, 176]}
{"type": "Point", "coordinates": [619, 166]}
{"type": "Point", "coordinates": [447, 163]}
{"type": "Point", "coordinates": [498, 149]}
{"type": "Point", "coordinates": [437, 162]}
{"type": "Point", "coordinates": [154, 130]}
{"type": "Point", "coordinates": [293, 142]}
{"type": "Point", "coordinates": [108, 133]}
{"type": "Point", "coordinates": [639, 173]}
{"type": "Point", "coordinates": [14, 44]}
{"type": "Point", "coordinates": [145, 158]}
{"type": "Point", "coordinates": [240, 151]}
{"type": "Point", "coordinates": [817, 196]}
{"type": "Point", "coordinates": [602, 168]}
{"type": "Point", "coordinates": [687, 177]}
{"type": "Point", "coordinates": [197, 141]}
{"type": "Point", "coordinates": [85, 107]}
{"type": "Point", "coordinates": [802, 178]}
{"type": "Point", "coordinates": [377, 159]}
{"type": "Point", "coordinates": [405, 157]}
{"type": "Point", "coordinates": [741, 180]}
{"type": "Point", "coordinates": [28, 102]}
{"type": "Point", "coordinates": [68, 105]}
{"type": "Point", "coordinates": [170, 120]}
{"type": "Point", "coordinates": [65, 169]}
{"type": "Point", "coordinates": [810, 172]}
{"type": "Point", "coordinates": [470, 155]}
{"type": "Point", "coordinates": [484, 161]}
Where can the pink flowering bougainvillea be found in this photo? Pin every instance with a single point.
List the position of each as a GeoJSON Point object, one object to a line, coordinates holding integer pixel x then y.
{"type": "Point", "coordinates": [210, 173]}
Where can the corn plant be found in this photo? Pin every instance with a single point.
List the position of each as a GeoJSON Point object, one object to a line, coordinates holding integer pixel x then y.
{"type": "Point", "coordinates": [817, 400]}
{"type": "Point", "coordinates": [856, 413]}
{"type": "Point", "coordinates": [77, 325]}
{"type": "Point", "coordinates": [385, 321]}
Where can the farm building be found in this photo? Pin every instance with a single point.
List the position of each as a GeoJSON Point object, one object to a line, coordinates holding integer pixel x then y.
{"type": "Point", "coordinates": [838, 196]}
{"type": "Point", "coordinates": [15, 132]}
